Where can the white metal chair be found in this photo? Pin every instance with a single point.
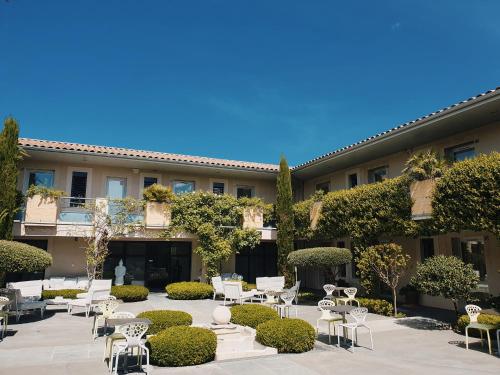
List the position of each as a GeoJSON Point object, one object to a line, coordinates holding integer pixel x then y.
{"type": "Point", "coordinates": [91, 298]}
{"type": "Point", "coordinates": [329, 289]}
{"type": "Point", "coordinates": [115, 336]}
{"type": "Point", "coordinates": [359, 314]}
{"type": "Point", "coordinates": [106, 308]}
{"type": "Point", "coordinates": [350, 293]}
{"type": "Point", "coordinates": [218, 286]}
{"type": "Point", "coordinates": [474, 311]}
{"type": "Point", "coordinates": [498, 341]}
{"type": "Point", "coordinates": [97, 285]}
{"type": "Point", "coordinates": [4, 317]}
{"type": "Point", "coordinates": [233, 291]}
{"type": "Point", "coordinates": [284, 310]}
{"type": "Point", "coordinates": [133, 333]}
{"type": "Point", "coordinates": [327, 316]}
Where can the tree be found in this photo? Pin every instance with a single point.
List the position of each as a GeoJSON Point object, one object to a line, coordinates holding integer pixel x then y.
{"type": "Point", "coordinates": [326, 259]}
{"type": "Point", "coordinates": [424, 165]}
{"type": "Point", "coordinates": [20, 257]}
{"type": "Point", "coordinates": [284, 219]}
{"type": "Point", "coordinates": [446, 276]}
{"type": "Point", "coordinates": [10, 156]}
{"type": "Point", "coordinates": [387, 262]}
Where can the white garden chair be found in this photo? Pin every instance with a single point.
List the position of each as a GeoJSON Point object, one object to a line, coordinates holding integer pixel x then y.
{"type": "Point", "coordinates": [218, 286]}
{"type": "Point", "coordinates": [233, 291]}
{"type": "Point", "coordinates": [327, 316]}
{"type": "Point", "coordinates": [115, 336]}
{"type": "Point", "coordinates": [92, 297]}
{"type": "Point", "coordinates": [284, 310]}
{"type": "Point", "coordinates": [474, 311]}
{"type": "Point", "coordinates": [329, 289]}
{"type": "Point", "coordinates": [133, 333]}
{"type": "Point", "coordinates": [359, 314]}
{"type": "Point", "coordinates": [4, 317]}
{"type": "Point", "coordinates": [106, 308]}
{"type": "Point", "coordinates": [350, 293]}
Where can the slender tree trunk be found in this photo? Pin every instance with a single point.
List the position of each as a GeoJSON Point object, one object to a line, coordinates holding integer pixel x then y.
{"type": "Point", "coordinates": [394, 301]}
{"type": "Point", "coordinates": [455, 306]}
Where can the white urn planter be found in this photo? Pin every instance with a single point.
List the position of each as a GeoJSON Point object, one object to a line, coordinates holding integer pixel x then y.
{"type": "Point", "coordinates": [221, 315]}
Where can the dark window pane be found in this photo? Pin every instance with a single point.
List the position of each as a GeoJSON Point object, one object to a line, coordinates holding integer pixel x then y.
{"type": "Point", "coordinates": [426, 248]}
{"type": "Point", "coordinates": [78, 188]}
{"type": "Point", "coordinates": [353, 180]}
{"type": "Point", "coordinates": [244, 191]}
{"type": "Point", "coordinates": [218, 188]}
{"type": "Point", "coordinates": [377, 174]}
{"type": "Point", "coordinates": [148, 181]}
{"type": "Point", "coordinates": [323, 186]}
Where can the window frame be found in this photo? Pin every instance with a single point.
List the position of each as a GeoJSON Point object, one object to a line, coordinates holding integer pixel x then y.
{"type": "Point", "coordinates": [143, 176]}
{"type": "Point", "coordinates": [28, 171]}
{"type": "Point", "coordinates": [329, 183]}
{"type": "Point", "coordinates": [184, 181]}
{"type": "Point", "coordinates": [69, 180]}
{"type": "Point", "coordinates": [449, 152]}
{"type": "Point", "coordinates": [252, 189]}
{"type": "Point", "coordinates": [371, 170]}
{"type": "Point", "coordinates": [218, 181]}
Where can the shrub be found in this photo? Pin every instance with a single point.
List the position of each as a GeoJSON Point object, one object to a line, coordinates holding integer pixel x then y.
{"type": "Point", "coordinates": [377, 306]}
{"type": "Point", "coordinates": [20, 257]}
{"type": "Point", "coordinates": [44, 192]}
{"type": "Point", "coordinates": [130, 293]}
{"type": "Point", "coordinates": [463, 321]}
{"type": "Point", "coordinates": [287, 335]}
{"type": "Point", "coordinates": [252, 315]}
{"type": "Point", "coordinates": [183, 346]}
{"type": "Point", "coordinates": [65, 293]}
{"type": "Point", "coordinates": [162, 319]}
{"type": "Point", "coordinates": [424, 165]}
{"type": "Point", "coordinates": [189, 290]}
{"type": "Point", "coordinates": [158, 193]}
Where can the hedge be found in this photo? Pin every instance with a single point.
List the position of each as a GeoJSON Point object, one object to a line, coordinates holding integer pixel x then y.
{"type": "Point", "coordinates": [189, 290]}
{"type": "Point", "coordinates": [252, 315]}
{"type": "Point", "coordinates": [377, 306]}
{"type": "Point", "coordinates": [162, 319]}
{"type": "Point", "coordinates": [20, 257]}
{"type": "Point", "coordinates": [320, 257]}
{"type": "Point", "coordinates": [65, 293]}
{"type": "Point", "coordinates": [464, 320]}
{"type": "Point", "coordinates": [183, 346]}
{"type": "Point", "coordinates": [130, 293]}
{"type": "Point", "coordinates": [287, 335]}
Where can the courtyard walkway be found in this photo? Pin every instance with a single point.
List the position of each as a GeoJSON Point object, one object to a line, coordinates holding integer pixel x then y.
{"type": "Point", "coordinates": [62, 344]}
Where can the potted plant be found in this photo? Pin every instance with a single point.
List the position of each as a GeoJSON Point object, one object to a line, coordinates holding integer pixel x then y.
{"type": "Point", "coordinates": [41, 205]}
{"type": "Point", "coordinates": [158, 198]}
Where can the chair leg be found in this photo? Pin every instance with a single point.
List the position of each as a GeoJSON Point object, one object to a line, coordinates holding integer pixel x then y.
{"type": "Point", "coordinates": [338, 338]}
{"type": "Point", "coordinates": [467, 338]}
{"type": "Point", "coordinates": [371, 337]}
{"type": "Point", "coordinates": [352, 339]}
{"type": "Point", "coordinates": [482, 340]}
{"type": "Point", "coordinates": [489, 341]}
{"type": "Point", "coordinates": [498, 341]}
{"type": "Point", "coordinates": [329, 336]}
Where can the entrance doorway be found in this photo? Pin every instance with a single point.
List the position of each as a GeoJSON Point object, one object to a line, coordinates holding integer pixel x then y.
{"type": "Point", "coordinates": [257, 262]}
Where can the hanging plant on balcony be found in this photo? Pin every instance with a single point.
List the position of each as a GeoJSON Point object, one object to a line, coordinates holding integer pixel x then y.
{"type": "Point", "coordinates": [158, 193]}
{"type": "Point", "coordinates": [44, 192]}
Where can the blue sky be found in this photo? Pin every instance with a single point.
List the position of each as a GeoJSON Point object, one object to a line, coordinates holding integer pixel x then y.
{"type": "Point", "coordinates": [244, 80]}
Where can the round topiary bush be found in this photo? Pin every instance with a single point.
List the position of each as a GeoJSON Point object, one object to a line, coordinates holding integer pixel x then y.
{"type": "Point", "coordinates": [162, 319]}
{"type": "Point", "coordinates": [20, 257]}
{"type": "Point", "coordinates": [287, 335]}
{"type": "Point", "coordinates": [189, 290]}
{"type": "Point", "coordinates": [183, 346]}
{"type": "Point", "coordinates": [130, 293]}
{"type": "Point", "coordinates": [252, 315]}
{"type": "Point", "coordinates": [65, 293]}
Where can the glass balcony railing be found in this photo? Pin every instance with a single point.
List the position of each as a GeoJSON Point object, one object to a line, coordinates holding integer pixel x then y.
{"type": "Point", "coordinates": [75, 210]}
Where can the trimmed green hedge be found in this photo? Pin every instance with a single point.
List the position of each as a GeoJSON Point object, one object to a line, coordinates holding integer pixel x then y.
{"type": "Point", "coordinates": [65, 293]}
{"type": "Point", "coordinates": [189, 290]}
{"type": "Point", "coordinates": [252, 315]}
{"type": "Point", "coordinates": [463, 321]}
{"type": "Point", "coordinates": [130, 293]}
{"type": "Point", "coordinates": [320, 257]}
{"type": "Point", "coordinates": [20, 257]}
{"type": "Point", "coordinates": [183, 346]}
{"type": "Point", "coordinates": [377, 306]}
{"type": "Point", "coordinates": [287, 335]}
{"type": "Point", "coordinates": [162, 319]}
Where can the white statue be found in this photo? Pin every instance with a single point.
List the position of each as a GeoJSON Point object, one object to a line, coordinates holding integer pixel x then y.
{"type": "Point", "coordinates": [120, 270]}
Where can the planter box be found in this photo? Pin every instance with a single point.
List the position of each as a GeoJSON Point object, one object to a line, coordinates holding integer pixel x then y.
{"type": "Point", "coordinates": [421, 195]}
{"type": "Point", "coordinates": [158, 215]}
{"type": "Point", "coordinates": [315, 214]}
{"type": "Point", "coordinates": [253, 218]}
{"type": "Point", "coordinates": [41, 211]}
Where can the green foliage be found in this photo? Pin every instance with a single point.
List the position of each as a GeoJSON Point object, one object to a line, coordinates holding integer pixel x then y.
{"type": "Point", "coordinates": [446, 276]}
{"type": "Point", "coordinates": [162, 319]}
{"type": "Point", "coordinates": [20, 257]}
{"type": "Point", "coordinates": [285, 221]}
{"type": "Point", "coordinates": [302, 220]}
{"type": "Point", "coordinates": [464, 320]}
{"type": "Point", "coordinates": [217, 221]}
{"type": "Point", "coordinates": [425, 165]}
{"type": "Point", "coordinates": [44, 192]}
{"type": "Point", "coordinates": [467, 197]}
{"type": "Point", "coordinates": [287, 335]}
{"type": "Point", "coordinates": [252, 315]}
{"type": "Point", "coordinates": [387, 263]}
{"type": "Point", "coordinates": [65, 293]}
{"type": "Point", "coordinates": [158, 193]}
{"type": "Point", "coordinates": [130, 293]}
{"type": "Point", "coordinates": [10, 156]}
{"type": "Point", "coordinates": [377, 306]}
{"type": "Point", "coordinates": [189, 290]}
{"type": "Point", "coordinates": [326, 259]}
{"type": "Point", "coordinates": [183, 346]}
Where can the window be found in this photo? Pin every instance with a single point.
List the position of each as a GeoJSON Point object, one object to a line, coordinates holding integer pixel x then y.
{"type": "Point", "coordinates": [471, 251]}
{"type": "Point", "coordinates": [78, 188]}
{"type": "Point", "coordinates": [245, 191]}
{"type": "Point", "coordinates": [41, 178]}
{"type": "Point", "coordinates": [352, 180]}
{"type": "Point", "coordinates": [426, 248]}
{"type": "Point", "coordinates": [323, 186]}
{"type": "Point", "coordinates": [183, 187]}
{"type": "Point", "coordinates": [460, 152]}
{"type": "Point", "coordinates": [377, 174]}
{"type": "Point", "coordinates": [218, 188]}
{"type": "Point", "coordinates": [148, 181]}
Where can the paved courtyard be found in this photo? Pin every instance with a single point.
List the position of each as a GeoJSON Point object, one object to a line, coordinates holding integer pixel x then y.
{"type": "Point", "coordinates": [62, 344]}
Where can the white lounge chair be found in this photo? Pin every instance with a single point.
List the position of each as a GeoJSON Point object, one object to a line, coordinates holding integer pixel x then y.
{"type": "Point", "coordinates": [92, 298]}
{"type": "Point", "coordinates": [97, 285]}
{"type": "Point", "coordinates": [218, 286]}
{"type": "Point", "coordinates": [233, 291]}
{"type": "Point", "coordinates": [270, 283]}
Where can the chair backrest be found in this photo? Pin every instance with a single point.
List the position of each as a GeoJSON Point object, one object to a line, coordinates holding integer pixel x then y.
{"type": "Point", "coordinates": [28, 288]}
{"type": "Point", "coordinates": [133, 332]}
{"type": "Point", "coordinates": [232, 289]}
{"type": "Point", "coordinates": [122, 315]}
{"type": "Point", "coordinates": [101, 284]}
{"type": "Point", "coordinates": [217, 284]}
{"type": "Point", "coordinates": [359, 314]}
{"type": "Point", "coordinates": [97, 295]}
{"type": "Point", "coordinates": [261, 283]}
{"type": "Point", "coordinates": [288, 297]}
{"type": "Point", "coordinates": [107, 307]}
{"type": "Point", "coordinates": [473, 311]}
{"type": "Point", "coordinates": [325, 303]}
{"type": "Point", "coordinates": [350, 292]}
{"type": "Point", "coordinates": [276, 283]}
{"type": "Point", "coordinates": [329, 289]}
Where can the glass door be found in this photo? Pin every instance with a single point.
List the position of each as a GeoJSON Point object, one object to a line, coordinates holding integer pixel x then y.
{"type": "Point", "coordinates": [116, 188]}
